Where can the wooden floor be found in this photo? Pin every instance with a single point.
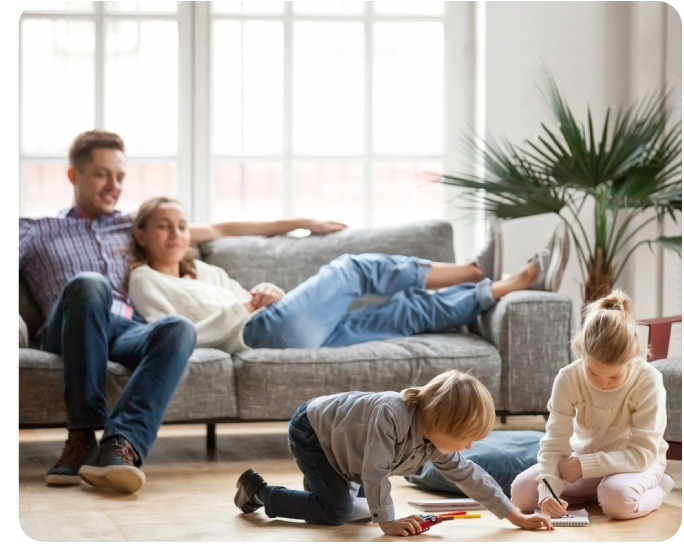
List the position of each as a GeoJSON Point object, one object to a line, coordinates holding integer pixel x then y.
{"type": "Point", "coordinates": [189, 497]}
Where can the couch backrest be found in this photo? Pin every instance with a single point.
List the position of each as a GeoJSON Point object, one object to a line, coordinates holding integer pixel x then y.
{"type": "Point", "coordinates": [288, 261]}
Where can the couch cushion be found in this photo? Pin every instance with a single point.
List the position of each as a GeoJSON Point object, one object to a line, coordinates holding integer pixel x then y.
{"type": "Point", "coordinates": [207, 389]}
{"type": "Point", "coordinates": [288, 261]}
{"type": "Point", "coordinates": [272, 383]}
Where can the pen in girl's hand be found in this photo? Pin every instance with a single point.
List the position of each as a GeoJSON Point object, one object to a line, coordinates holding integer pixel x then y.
{"type": "Point", "coordinates": [553, 493]}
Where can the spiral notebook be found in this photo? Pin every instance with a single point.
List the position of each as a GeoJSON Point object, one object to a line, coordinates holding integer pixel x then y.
{"type": "Point", "coordinates": [453, 504]}
{"type": "Point", "coordinates": [577, 518]}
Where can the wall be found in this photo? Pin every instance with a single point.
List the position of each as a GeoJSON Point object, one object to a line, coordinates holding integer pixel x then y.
{"type": "Point", "coordinates": [601, 54]}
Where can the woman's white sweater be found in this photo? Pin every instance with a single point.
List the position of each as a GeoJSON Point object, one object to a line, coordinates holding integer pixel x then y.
{"type": "Point", "coordinates": [618, 430]}
{"type": "Point", "coordinates": [214, 302]}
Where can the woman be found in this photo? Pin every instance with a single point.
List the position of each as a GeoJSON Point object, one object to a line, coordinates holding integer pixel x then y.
{"type": "Point", "coordinates": [425, 296]}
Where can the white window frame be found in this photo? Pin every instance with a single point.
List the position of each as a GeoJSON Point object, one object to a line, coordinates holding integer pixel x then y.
{"type": "Point", "coordinates": [183, 17]}
{"type": "Point", "coordinates": [195, 160]}
{"type": "Point", "coordinates": [206, 160]}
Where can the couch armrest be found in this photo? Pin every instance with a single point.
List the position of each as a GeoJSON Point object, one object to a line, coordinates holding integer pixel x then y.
{"type": "Point", "coordinates": [533, 331]}
{"type": "Point", "coordinates": [23, 333]}
{"type": "Point", "coordinates": [659, 330]}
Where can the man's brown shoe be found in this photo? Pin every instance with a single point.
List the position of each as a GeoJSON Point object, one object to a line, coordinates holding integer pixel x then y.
{"type": "Point", "coordinates": [115, 467]}
{"type": "Point", "coordinates": [80, 448]}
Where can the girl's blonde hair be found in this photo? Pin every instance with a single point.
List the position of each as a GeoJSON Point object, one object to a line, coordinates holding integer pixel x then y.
{"type": "Point", "coordinates": [138, 256]}
{"type": "Point", "coordinates": [455, 404]}
{"type": "Point", "coordinates": [609, 332]}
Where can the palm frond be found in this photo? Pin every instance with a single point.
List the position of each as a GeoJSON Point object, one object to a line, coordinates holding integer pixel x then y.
{"type": "Point", "coordinates": [627, 162]}
{"type": "Point", "coordinates": [673, 243]}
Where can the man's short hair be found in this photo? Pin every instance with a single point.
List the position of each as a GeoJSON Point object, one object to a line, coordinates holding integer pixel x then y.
{"type": "Point", "coordinates": [82, 147]}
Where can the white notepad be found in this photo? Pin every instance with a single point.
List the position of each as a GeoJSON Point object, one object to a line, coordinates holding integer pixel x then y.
{"type": "Point", "coordinates": [453, 504]}
{"type": "Point", "coordinates": [577, 518]}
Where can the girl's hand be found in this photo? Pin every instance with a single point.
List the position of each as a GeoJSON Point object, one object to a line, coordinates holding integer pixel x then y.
{"type": "Point", "coordinates": [264, 295]}
{"type": "Point", "coordinates": [402, 527]}
{"type": "Point", "coordinates": [550, 507]}
{"type": "Point", "coordinates": [249, 307]}
{"type": "Point", "coordinates": [531, 522]}
{"type": "Point", "coordinates": [570, 469]}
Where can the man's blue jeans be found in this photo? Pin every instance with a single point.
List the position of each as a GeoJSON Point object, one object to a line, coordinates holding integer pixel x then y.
{"type": "Point", "coordinates": [83, 330]}
{"type": "Point", "coordinates": [328, 499]}
{"type": "Point", "coordinates": [315, 314]}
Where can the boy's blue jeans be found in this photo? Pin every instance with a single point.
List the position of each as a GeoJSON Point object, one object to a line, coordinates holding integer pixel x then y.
{"type": "Point", "coordinates": [83, 330]}
{"type": "Point", "coordinates": [328, 499]}
{"type": "Point", "coordinates": [315, 314]}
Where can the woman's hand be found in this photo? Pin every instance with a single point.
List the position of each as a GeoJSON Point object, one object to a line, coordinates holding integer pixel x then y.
{"type": "Point", "coordinates": [550, 507]}
{"type": "Point", "coordinates": [570, 469]}
{"type": "Point", "coordinates": [263, 295]}
{"type": "Point", "coordinates": [402, 527]}
{"type": "Point", "coordinates": [531, 522]}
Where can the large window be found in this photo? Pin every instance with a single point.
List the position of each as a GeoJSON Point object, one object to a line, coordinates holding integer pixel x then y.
{"type": "Point", "coordinates": [243, 110]}
{"type": "Point", "coordinates": [112, 65]}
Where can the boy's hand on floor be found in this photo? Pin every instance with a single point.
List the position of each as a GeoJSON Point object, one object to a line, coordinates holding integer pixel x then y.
{"type": "Point", "coordinates": [531, 522]}
{"type": "Point", "coordinates": [402, 527]}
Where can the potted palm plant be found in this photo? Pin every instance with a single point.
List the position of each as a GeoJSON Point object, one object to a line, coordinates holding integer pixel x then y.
{"type": "Point", "coordinates": [629, 166]}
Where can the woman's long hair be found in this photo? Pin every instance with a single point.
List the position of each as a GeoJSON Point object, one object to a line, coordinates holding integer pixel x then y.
{"type": "Point", "coordinates": [138, 256]}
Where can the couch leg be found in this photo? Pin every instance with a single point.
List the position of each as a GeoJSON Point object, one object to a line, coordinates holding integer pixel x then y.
{"type": "Point", "coordinates": [211, 436]}
{"type": "Point", "coordinates": [504, 417]}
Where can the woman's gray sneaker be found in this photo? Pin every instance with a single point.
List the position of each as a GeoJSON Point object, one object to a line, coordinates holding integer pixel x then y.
{"type": "Point", "coordinates": [489, 260]}
{"type": "Point", "coordinates": [552, 260]}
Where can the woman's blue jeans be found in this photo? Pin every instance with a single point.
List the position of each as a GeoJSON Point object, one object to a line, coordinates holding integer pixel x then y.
{"type": "Point", "coordinates": [328, 499]}
{"type": "Point", "coordinates": [315, 314]}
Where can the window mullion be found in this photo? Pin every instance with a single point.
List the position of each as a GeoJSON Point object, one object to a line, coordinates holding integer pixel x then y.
{"type": "Point", "coordinates": [368, 120]}
{"type": "Point", "coordinates": [202, 186]}
{"type": "Point", "coordinates": [100, 61]}
{"type": "Point", "coordinates": [288, 117]}
{"type": "Point", "coordinates": [186, 85]}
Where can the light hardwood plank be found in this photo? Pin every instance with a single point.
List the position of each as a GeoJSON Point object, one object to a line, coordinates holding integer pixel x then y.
{"type": "Point", "coordinates": [189, 497]}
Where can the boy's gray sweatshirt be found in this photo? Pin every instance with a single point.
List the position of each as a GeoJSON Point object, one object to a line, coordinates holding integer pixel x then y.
{"type": "Point", "coordinates": [368, 437]}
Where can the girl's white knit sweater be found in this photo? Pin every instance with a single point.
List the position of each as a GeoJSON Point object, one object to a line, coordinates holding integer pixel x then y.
{"type": "Point", "coordinates": [618, 430]}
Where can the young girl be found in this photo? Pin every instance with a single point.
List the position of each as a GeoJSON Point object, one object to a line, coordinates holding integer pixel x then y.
{"type": "Point", "coordinates": [166, 280]}
{"type": "Point", "coordinates": [604, 436]}
{"type": "Point", "coordinates": [348, 439]}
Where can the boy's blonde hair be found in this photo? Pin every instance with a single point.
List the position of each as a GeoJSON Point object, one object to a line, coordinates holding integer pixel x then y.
{"type": "Point", "coordinates": [455, 404]}
{"type": "Point", "coordinates": [609, 332]}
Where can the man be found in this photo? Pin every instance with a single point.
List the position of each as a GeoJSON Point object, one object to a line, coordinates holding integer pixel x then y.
{"type": "Point", "coordinates": [75, 265]}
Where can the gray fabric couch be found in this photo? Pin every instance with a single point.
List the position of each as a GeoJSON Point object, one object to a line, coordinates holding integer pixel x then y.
{"type": "Point", "coordinates": [671, 369]}
{"type": "Point", "coordinates": [515, 349]}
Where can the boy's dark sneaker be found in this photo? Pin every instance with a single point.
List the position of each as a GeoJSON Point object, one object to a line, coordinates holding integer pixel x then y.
{"type": "Point", "coordinates": [249, 483]}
